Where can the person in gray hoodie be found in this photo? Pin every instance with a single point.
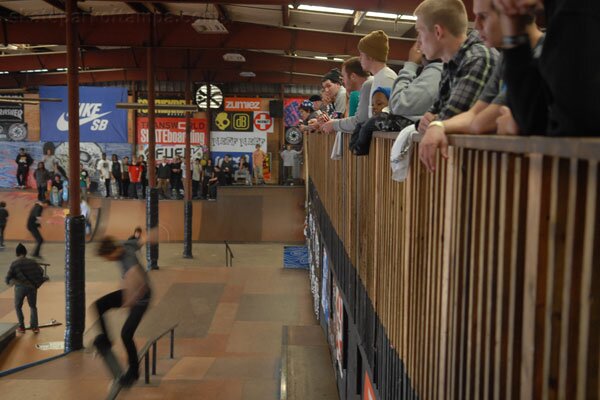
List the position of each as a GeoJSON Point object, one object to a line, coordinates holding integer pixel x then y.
{"type": "Point", "coordinates": [412, 95]}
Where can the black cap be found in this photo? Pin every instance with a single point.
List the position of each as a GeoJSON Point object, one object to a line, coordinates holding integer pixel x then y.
{"type": "Point", "coordinates": [21, 250]}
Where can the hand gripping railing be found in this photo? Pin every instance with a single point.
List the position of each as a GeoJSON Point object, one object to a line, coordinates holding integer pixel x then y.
{"type": "Point", "coordinates": [151, 343]}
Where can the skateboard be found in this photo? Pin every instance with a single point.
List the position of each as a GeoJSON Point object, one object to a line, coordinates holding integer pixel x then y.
{"type": "Point", "coordinates": [52, 322]}
{"type": "Point", "coordinates": [113, 366]}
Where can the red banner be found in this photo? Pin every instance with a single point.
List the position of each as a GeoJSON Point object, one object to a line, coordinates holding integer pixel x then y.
{"type": "Point", "coordinates": [172, 130]}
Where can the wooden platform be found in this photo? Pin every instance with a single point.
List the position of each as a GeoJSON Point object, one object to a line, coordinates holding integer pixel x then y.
{"type": "Point", "coordinates": [240, 214]}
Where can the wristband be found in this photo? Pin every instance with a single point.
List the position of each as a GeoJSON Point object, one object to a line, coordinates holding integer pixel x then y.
{"type": "Point", "coordinates": [437, 123]}
{"type": "Point", "coordinates": [514, 41]}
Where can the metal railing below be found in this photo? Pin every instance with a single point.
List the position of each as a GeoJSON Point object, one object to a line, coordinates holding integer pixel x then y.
{"type": "Point", "coordinates": [228, 255]}
{"type": "Point", "coordinates": [151, 343]}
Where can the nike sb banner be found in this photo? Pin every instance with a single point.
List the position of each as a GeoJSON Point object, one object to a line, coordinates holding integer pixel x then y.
{"type": "Point", "coordinates": [99, 119]}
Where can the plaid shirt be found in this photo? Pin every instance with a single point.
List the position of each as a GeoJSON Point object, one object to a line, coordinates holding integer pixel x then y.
{"type": "Point", "coordinates": [464, 77]}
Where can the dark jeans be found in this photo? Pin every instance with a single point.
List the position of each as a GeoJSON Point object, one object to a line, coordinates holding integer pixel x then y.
{"type": "Point", "coordinates": [119, 185]}
{"type": "Point", "coordinates": [2, 234]}
{"type": "Point", "coordinates": [125, 190]}
{"type": "Point", "coordinates": [136, 312]}
{"type": "Point", "coordinates": [176, 185]}
{"type": "Point", "coordinates": [22, 291]}
{"type": "Point", "coordinates": [287, 174]}
{"type": "Point", "coordinates": [22, 176]}
{"type": "Point", "coordinates": [134, 189]}
{"type": "Point", "coordinates": [195, 187]}
{"type": "Point", "coordinates": [35, 231]}
{"type": "Point", "coordinates": [42, 192]}
{"type": "Point", "coordinates": [107, 185]}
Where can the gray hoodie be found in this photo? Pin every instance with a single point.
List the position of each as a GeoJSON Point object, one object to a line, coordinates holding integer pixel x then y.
{"type": "Point", "coordinates": [412, 96]}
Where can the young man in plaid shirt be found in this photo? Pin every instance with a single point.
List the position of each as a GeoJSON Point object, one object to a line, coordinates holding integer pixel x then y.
{"type": "Point", "coordinates": [468, 63]}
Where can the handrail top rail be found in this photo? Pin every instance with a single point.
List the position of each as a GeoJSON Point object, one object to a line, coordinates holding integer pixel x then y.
{"type": "Point", "coordinates": [151, 341]}
{"type": "Point", "coordinates": [587, 148]}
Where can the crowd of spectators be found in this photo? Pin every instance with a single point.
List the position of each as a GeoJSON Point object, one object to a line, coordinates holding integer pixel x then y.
{"type": "Point", "coordinates": [505, 76]}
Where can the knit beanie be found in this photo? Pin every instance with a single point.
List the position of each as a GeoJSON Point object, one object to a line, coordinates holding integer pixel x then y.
{"type": "Point", "coordinates": [21, 250]}
{"type": "Point", "coordinates": [375, 45]}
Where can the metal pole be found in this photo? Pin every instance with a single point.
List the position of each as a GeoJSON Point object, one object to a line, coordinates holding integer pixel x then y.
{"type": "Point", "coordinates": [154, 358]}
{"type": "Point", "coordinates": [147, 368]}
{"type": "Point", "coordinates": [172, 343]}
{"type": "Point", "coordinates": [74, 224]}
{"type": "Point", "coordinates": [187, 223]}
{"type": "Point", "coordinates": [152, 192]}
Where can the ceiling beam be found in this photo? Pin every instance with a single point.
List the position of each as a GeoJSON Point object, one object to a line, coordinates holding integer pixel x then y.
{"type": "Point", "coordinates": [177, 32]}
{"type": "Point", "coordinates": [160, 8]}
{"type": "Point", "coordinates": [223, 13]}
{"type": "Point", "coordinates": [7, 13]}
{"type": "Point", "coordinates": [139, 7]}
{"type": "Point", "coordinates": [285, 15]}
{"type": "Point", "coordinates": [169, 59]}
{"type": "Point", "coordinates": [389, 6]}
{"type": "Point", "coordinates": [60, 4]}
{"type": "Point", "coordinates": [216, 76]}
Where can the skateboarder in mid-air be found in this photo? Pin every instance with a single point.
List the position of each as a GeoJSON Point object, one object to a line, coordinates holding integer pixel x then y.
{"type": "Point", "coordinates": [134, 295]}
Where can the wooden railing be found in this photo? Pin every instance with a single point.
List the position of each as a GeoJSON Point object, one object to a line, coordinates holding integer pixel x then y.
{"type": "Point", "coordinates": [486, 274]}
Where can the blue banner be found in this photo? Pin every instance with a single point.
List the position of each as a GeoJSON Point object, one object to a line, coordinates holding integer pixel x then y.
{"type": "Point", "coordinates": [99, 119]}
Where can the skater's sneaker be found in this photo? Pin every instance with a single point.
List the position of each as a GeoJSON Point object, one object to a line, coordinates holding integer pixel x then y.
{"type": "Point", "coordinates": [21, 329]}
{"type": "Point", "coordinates": [129, 379]}
{"type": "Point", "coordinates": [35, 330]}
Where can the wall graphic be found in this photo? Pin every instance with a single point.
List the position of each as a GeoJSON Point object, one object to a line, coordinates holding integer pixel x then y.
{"type": "Point", "coordinates": [12, 120]}
{"type": "Point", "coordinates": [99, 119]}
{"type": "Point", "coordinates": [90, 153]}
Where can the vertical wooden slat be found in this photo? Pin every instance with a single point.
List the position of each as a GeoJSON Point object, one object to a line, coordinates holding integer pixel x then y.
{"type": "Point", "coordinates": [586, 289]}
{"type": "Point", "coordinates": [446, 255]}
{"type": "Point", "coordinates": [534, 189]}
{"type": "Point", "coordinates": [585, 302]}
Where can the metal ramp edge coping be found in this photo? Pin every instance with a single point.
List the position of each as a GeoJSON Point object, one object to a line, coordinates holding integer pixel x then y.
{"type": "Point", "coordinates": [143, 353]}
{"type": "Point", "coordinates": [31, 365]}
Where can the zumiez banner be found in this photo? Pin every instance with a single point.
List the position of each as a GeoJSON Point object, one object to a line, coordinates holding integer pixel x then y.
{"type": "Point", "coordinates": [99, 119]}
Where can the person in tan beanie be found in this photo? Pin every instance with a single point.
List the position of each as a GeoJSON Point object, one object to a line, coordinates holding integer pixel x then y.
{"type": "Point", "coordinates": [375, 45]}
{"type": "Point", "coordinates": [374, 49]}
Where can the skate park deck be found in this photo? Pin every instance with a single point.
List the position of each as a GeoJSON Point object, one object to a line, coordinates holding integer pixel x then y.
{"type": "Point", "coordinates": [240, 214]}
{"type": "Point", "coordinates": [230, 340]}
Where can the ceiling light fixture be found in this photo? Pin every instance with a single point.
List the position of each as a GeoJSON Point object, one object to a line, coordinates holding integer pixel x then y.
{"type": "Point", "coordinates": [374, 14]}
{"type": "Point", "coordinates": [234, 57]}
{"type": "Point", "coordinates": [321, 57]}
{"type": "Point", "coordinates": [406, 17]}
{"type": "Point", "coordinates": [330, 10]}
{"type": "Point", "coordinates": [209, 26]}
{"type": "Point", "coordinates": [247, 74]}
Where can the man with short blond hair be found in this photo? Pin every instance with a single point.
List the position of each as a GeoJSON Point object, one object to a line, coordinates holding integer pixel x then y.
{"type": "Point", "coordinates": [468, 63]}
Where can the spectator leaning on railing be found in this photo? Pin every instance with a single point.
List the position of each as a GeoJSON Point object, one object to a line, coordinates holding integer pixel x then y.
{"type": "Point", "coordinates": [332, 86]}
{"type": "Point", "coordinates": [558, 95]}
{"type": "Point", "coordinates": [355, 79]}
{"type": "Point", "coordinates": [468, 63]}
{"type": "Point", "coordinates": [481, 118]}
{"type": "Point", "coordinates": [374, 49]}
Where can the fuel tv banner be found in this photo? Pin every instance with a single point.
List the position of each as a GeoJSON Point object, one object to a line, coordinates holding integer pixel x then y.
{"type": "Point", "coordinates": [99, 119]}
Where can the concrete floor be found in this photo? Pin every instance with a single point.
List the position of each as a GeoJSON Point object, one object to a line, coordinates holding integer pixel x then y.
{"type": "Point", "coordinates": [236, 328]}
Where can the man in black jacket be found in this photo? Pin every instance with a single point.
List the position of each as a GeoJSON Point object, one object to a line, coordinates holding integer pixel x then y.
{"type": "Point", "coordinates": [557, 96]}
{"type": "Point", "coordinates": [23, 161]}
{"type": "Point", "coordinates": [27, 276]}
{"type": "Point", "coordinates": [33, 224]}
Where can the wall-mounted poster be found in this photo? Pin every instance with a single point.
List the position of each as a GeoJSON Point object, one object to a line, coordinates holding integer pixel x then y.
{"type": "Point", "coordinates": [171, 131]}
{"type": "Point", "coordinates": [99, 119]}
{"type": "Point", "coordinates": [12, 120]}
